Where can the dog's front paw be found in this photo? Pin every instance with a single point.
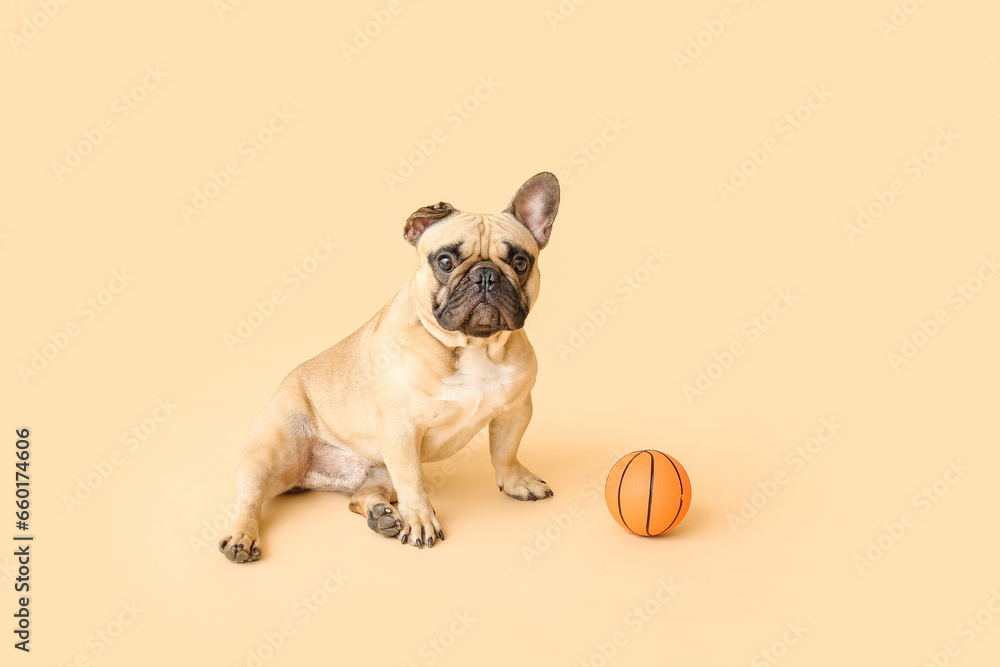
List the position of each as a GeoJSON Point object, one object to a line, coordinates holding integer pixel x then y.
{"type": "Point", "coordinates": [240, 547]}
{"type": "Point", "coordinates": [420, 526]}
{"type": "Point", "coordinates": [384, 521]}
{"type": "Point", "coordinates": [522, 484]}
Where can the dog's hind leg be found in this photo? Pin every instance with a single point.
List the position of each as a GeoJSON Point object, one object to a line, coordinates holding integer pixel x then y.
{"type": "Point", "coordinates": [334, 468]}
{"type": "Point", "coordinates": [275, 457]}
{"type": "Point", "coordinates": [373, 499]}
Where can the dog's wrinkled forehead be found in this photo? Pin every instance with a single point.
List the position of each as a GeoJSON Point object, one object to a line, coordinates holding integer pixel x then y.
{"type": "Point", "coordinates": [487, 236]}
{"type": "Point", "coordinates": [529, 214]}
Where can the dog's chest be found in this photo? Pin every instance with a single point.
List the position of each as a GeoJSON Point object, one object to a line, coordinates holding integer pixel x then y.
{"type": "Point", "coordinates": [477, 390]}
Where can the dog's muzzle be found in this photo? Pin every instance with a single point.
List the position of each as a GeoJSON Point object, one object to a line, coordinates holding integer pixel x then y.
{"type": "Point", "coordinates": [483, 303]}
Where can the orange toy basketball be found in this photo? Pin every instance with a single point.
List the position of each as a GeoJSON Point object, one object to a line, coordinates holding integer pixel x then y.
{"type": "Point", "coordinates": [648, 492]}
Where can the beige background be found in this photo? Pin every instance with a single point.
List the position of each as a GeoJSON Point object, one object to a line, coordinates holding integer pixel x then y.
{"type": "Point", "coordinates": [533, 586]}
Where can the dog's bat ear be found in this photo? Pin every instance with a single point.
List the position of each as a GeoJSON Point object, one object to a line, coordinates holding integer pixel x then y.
{"type": "Point", "coordinates": [535, 205]}
{"type": "Point", "coordinates": [423, 218]}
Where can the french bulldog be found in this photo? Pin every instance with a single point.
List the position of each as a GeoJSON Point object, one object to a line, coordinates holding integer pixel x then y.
{"type": "Point", "coordinates": [445, 357]}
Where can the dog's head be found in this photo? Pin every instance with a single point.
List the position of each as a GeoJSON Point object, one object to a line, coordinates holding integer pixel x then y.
{"type": "Point", "coordinates": [478, 273]}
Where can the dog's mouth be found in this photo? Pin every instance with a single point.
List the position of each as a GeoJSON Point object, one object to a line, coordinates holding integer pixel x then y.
{"type": "Point", "coordinates": [481, 303]}
{"type": "Point", "coordinates": [485, 320]}
{"type": "Point", "coordinates": [481, 316]}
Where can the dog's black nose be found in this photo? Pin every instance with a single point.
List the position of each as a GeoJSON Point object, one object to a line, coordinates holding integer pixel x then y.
{"type": "Point", "coordinates": [484, 277]}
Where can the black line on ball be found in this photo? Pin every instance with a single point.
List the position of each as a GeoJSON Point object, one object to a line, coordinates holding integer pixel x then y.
{"type": "Point", "coordinates": [649, 506]}
{"type": "Point", "coordinates": [680, 483]}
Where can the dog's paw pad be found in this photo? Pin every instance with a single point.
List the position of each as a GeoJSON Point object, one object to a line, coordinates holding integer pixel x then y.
{"type": "Point", "coordinates": [384, 520]}
{"type": "Point", "coordinates": [240, 548]}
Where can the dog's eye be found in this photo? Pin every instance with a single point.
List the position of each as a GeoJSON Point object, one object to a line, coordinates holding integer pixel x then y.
{"type": "Point", "coordinates": [446, 263]}
{"type": "Point", "coordinates": [520, 264]}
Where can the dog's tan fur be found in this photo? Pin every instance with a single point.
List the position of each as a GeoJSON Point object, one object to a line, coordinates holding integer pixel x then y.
{"type": "Point", "coordinates": [360, 417]}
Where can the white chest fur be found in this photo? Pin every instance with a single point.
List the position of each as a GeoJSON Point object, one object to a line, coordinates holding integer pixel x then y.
{"type": "Point", "coordinates": [469, 398]}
